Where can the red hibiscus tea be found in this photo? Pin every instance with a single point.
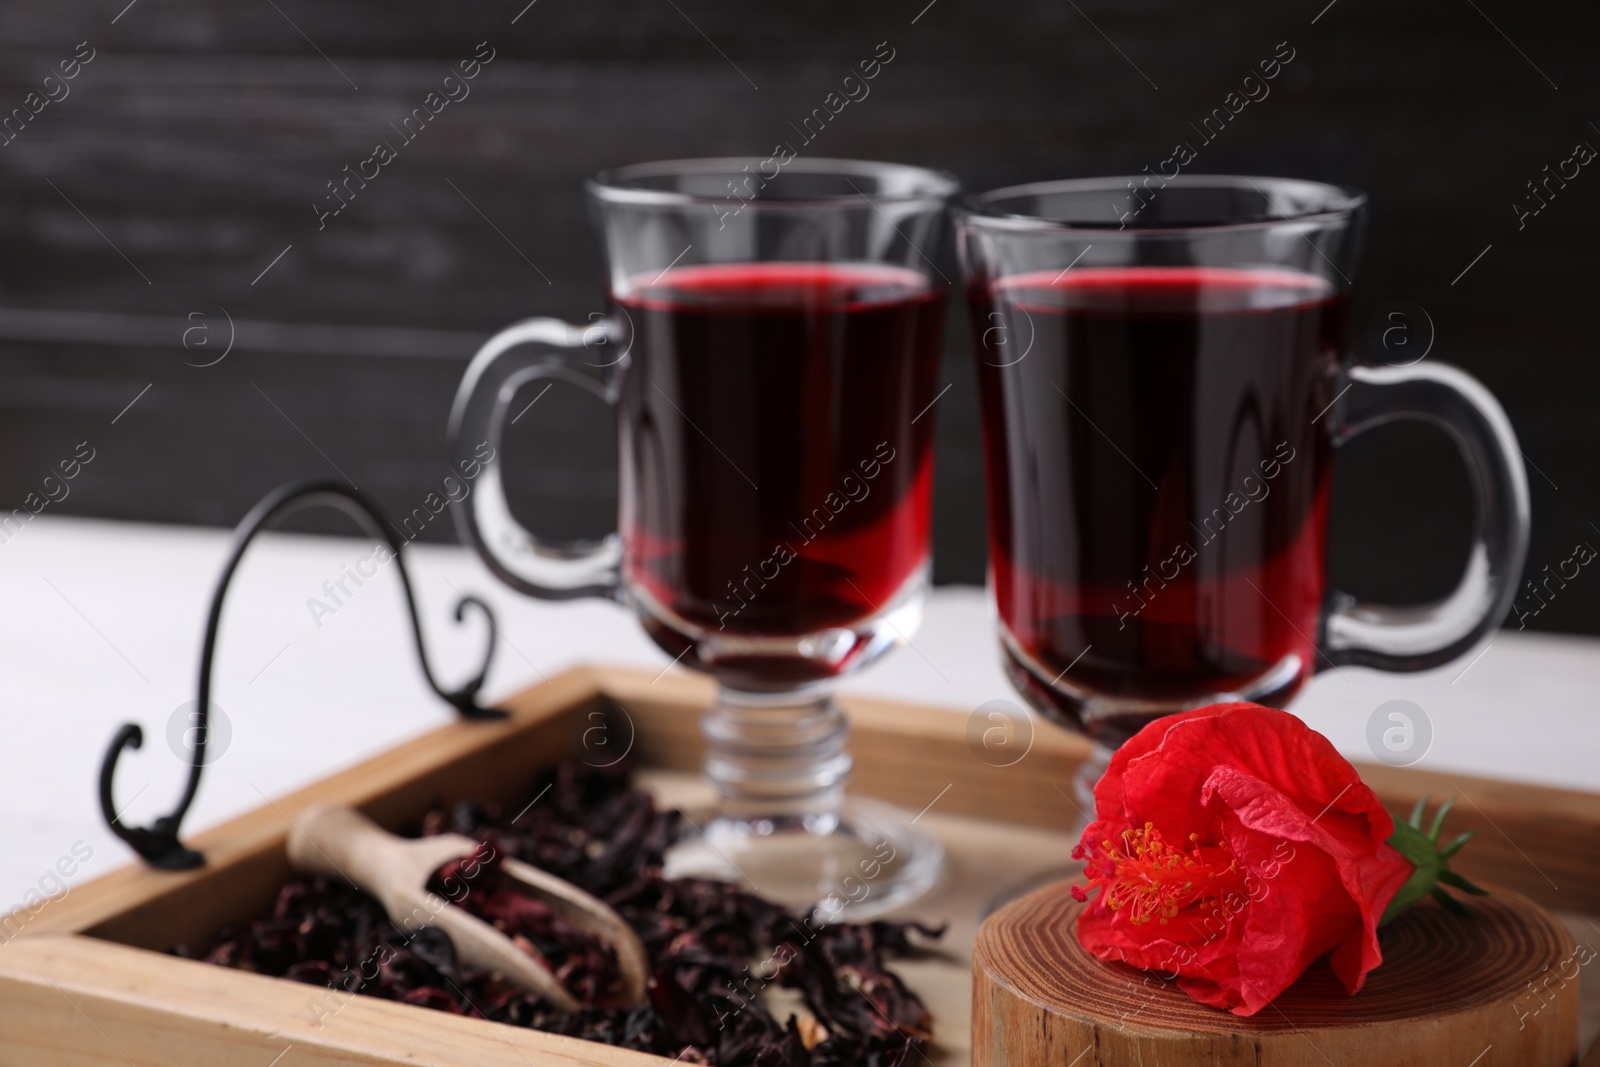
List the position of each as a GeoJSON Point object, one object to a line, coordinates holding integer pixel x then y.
{"type": "Point", "coordinates": [771, 353]}
{"type": "Point", "coordinates": [776, 475]}
{"type": "Point", "coordinates": [1158, 466]}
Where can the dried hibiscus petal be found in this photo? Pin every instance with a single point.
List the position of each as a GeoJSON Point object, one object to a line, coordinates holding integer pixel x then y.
{"type": "Point", "coordinates": [713, 948]}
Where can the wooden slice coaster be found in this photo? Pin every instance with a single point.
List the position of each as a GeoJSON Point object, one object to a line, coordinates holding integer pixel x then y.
{"type": "Point", "coordinates": [1497, 991]}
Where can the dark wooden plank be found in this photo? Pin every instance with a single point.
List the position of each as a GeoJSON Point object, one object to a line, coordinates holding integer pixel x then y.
{"type": "Point", "coordinates": [198, 138]}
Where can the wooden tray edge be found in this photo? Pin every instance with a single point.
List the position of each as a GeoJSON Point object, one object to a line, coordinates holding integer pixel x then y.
{"type": "Point", "coordinates": [76, 1000]}
{"type": "Point", "coordinates": [1541, 841]}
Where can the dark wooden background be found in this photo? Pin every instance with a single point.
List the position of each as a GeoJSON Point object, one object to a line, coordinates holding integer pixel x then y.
{"type": "Point", "coordinates": [190, 150]}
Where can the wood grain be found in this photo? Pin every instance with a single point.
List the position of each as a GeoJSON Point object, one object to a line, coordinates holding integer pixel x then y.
{"type": "Point", "coordinates": [199, 137]}
{"type": "Point", "coordinates": [1500, 991]}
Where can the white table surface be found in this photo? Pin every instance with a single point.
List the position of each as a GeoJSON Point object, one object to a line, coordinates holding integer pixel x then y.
{"type": "Point", "coordinates": [104, 623]}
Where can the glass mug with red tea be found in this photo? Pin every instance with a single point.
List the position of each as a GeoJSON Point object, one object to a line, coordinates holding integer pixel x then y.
{"type": "Point", "coordinates": [770, 344]}
{"type": "Point", "coordinates": [1164, 378]}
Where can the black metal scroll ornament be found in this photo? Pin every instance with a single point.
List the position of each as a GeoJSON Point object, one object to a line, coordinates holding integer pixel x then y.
{"type": "Point", "coordinates": [158, 843]}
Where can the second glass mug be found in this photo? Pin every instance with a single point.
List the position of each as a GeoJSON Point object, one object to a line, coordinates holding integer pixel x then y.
{"type": "Point", "coordinates": [1163, 376]}
{"type": "Point", "coordinates": [771, 349]}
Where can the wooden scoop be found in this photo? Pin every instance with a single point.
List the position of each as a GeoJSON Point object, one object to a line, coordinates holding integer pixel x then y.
{"type": "Point", "coordinates": [341, 842]}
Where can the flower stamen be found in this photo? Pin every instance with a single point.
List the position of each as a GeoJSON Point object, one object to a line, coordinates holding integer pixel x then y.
{"type": "Point", "coordinates": [1152, 879]}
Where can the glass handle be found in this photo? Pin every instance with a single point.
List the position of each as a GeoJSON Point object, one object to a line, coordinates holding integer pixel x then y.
{"type": "Point", "coordinates": [521, 353]}
{"type": "Point", "coordinates": [1430, 635]}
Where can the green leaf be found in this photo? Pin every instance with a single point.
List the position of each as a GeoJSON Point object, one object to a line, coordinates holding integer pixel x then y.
{"type": "Point", "coordinates": [1438, 819]}
{"type": "Point", "coordinates": [1455, 846]}
{"type": "Point", "coordinates": [1419, 885]}
{"type": "Point", "coordinates": [1416, 812]}
{"type": "Point", "coordinates": [1451, 904]}
{"type": "Point", "coordinates": [1453, 879]}
{"type": "Point", "coordinates": [1413, 844]}
{"type": "Point", "coordinates": [1430, 864]}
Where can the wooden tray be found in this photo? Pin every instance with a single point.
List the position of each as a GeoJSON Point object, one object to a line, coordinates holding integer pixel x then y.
{"type": "Point", "coordinates": [86, 981]}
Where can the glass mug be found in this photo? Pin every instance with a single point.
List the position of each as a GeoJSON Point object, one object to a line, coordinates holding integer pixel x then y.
{"type": "Point", "coordinates": [1163, 378]}
{"type": "Point", "coordinates": [771, 348]}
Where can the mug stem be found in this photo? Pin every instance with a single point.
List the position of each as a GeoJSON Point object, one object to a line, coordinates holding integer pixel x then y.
{"type": "Point", "coordinates": [782, 825]}
{"type": "Point", "coordinates": [777, 761]}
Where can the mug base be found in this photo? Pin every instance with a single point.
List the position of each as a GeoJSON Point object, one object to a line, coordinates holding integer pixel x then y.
{"type": "Point", "coordinates": [778, 662]}
{"type": "Point", "coordinates": [858, 863]}
{"type": "Point", "coordinates": [1109, 720]}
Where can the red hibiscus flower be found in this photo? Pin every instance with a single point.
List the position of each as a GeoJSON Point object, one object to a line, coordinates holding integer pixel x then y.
{"type": "Point", "coordinates": [1232, 848]}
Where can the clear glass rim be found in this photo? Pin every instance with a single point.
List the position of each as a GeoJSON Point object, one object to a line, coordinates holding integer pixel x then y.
{"type": "Point", "coordinates": [921, 185]}
{"type": "Point", "coordinates": [1330, 204]}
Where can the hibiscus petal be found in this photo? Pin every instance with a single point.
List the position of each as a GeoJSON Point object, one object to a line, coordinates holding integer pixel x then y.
{"type": "Point", "coordinates": [1271, 744]}
{"type": "Point", "coordinates": [1299, 910]}
{"type": "Point", "coordinates": [1334, 882]}
{"type": "Point", "coordinates": [1108, 791]}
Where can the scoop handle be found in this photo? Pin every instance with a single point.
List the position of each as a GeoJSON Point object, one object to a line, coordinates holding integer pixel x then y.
{"type": "Point", "coordinates": [341, 842]}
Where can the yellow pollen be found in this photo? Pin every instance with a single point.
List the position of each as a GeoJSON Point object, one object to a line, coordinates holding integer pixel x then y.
{"type": "Point", "coordinates": [1155, 881]}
